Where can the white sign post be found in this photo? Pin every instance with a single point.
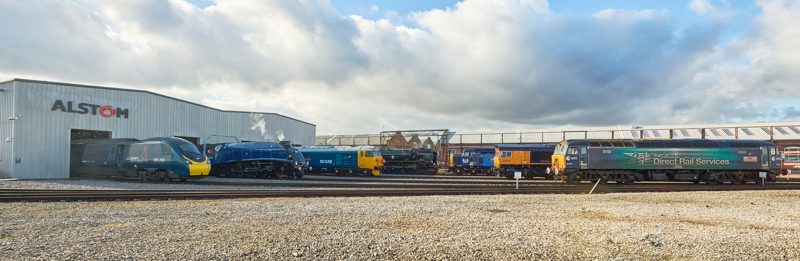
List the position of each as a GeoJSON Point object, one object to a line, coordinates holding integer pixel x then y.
{"type": "Point", "coordinates": [762, 175]}
{"type": "Point", "coordinates": [517, 176]}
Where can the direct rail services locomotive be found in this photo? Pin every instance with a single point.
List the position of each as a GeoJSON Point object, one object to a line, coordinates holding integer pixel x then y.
{"type": "Point", "coordinates": [474, 161]}
{"type": "Point", "coordinates": [255, 159]}
{"type": "Point", "coordinates": [690, 160]}
{"type": "Point", "coordinates": [163, 158]}
{"type": "Point", "coordinates": [344, 160]}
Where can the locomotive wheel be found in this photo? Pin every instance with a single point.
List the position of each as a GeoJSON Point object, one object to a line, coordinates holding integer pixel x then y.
{"type": "Point", "coordinates": [184, 180]}
{"type": "Point", "coordinates": [143, 176]}
{"type": "Point", "coordinates": [166, 179]}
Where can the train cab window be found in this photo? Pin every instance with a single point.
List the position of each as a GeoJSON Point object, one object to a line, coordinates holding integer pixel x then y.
{"type": "Point", "coordinates": [773, 151]}
{"type": "Point", "coordinates": [165, 149]}
{"type": "Point", "coordinates": [583, 150]}
{"type": "Point", "coordinates": [368, 154]}
{"type": "Point", "coordinates": [361, 153]}
{"type": "Point", "coordinates": [573, 151]}
{"type": "Point", "coordinates": [505, 154]}
{"type": "Point", "coordinates": [764, 151]}
{"type": "Point", "coordinates": [466, 154]}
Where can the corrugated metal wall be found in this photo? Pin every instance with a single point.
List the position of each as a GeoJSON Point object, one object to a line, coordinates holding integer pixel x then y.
{"type": "Point", "coordinates": [6, 111]}
{"type": "Point", "coordinates": [43, 135]}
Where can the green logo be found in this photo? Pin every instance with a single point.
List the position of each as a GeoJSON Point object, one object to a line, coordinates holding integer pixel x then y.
{"type": "Point", "coordinates": [638, 158]}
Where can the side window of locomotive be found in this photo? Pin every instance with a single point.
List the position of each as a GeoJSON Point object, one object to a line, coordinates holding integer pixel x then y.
{"type": "Point", "coordinates": [573, 151]}
{"type": "Point", "coordinates": [583, 150]}
{"type": "Point", "coordinates": [165, 150]}
{"type": "Point", "coordinates": [764, 151]}
{"type": "Point", "coordinates": [505, 154]}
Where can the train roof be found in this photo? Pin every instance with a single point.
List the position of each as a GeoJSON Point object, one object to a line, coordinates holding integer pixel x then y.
{"type": "Point", "coordinates": [254, 145]}
{"type": "Point", "coordinates": [524, 147]}
{"type": "Point", "coordinates": [167, 140]}
{"type": "Point", "coordinates": [337, 148]}
{"type": "Point", "coordinates": [481, 150]}
{"type": "Point", "coordinates": [682, 143]}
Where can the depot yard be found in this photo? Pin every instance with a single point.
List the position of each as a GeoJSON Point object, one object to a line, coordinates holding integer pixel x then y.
{"type": "Point", "coordinates": [676, 225]}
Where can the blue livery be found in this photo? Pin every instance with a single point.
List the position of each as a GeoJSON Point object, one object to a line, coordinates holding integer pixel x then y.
{"type": "Point", "coordinates": [255, 159]}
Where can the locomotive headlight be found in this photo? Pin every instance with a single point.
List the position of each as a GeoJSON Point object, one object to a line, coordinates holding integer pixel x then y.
{"type": "Point", "coordinates": [187, 162]}
{"type": "Point", "coordinates": [208, 161]}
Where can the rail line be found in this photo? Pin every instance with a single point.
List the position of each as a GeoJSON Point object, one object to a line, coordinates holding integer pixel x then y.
{"type": "Point", "coordinates": [16, 195]}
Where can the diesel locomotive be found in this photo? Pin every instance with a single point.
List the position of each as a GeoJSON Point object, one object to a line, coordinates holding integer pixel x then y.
{"type": "Point", "coordinates": [255, 159]}
{"type": "Point", "coordinates": [531, 160]}
{"type": "Point", "coordinates": [474, 161]}
{"type": "Point", "coordinates": [344, 160]}
{"type": "Point", "coordinates": [690, 160]}
{"type": "Point", "coordinates": [165, 158]}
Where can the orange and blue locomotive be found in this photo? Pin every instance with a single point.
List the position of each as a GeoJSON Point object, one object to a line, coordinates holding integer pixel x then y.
{"type": "Point", "coordinates": [531, 160]}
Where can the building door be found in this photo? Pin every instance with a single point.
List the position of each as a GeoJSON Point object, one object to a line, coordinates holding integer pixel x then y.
{"type": "Point", "coordinates": [120, 148]}
{"type": "Point", "coordinates": [77, 148]}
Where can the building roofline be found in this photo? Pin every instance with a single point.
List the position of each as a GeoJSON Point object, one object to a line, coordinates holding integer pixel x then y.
{"type": "Point", "coordinates": [147, 92]}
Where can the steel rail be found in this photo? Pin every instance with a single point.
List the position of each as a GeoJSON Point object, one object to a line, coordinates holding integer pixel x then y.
{"type": "Point", "coordinates": [7, 195]}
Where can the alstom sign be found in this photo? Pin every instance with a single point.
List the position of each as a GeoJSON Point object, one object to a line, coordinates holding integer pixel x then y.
{"type": "Point", "coordinates": [84, 108]}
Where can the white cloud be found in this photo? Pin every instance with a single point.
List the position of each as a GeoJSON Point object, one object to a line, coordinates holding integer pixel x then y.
{"type": "Point", "coordinates": [704, 7]}
{"type": "Point", "coordinates": [481, 65]}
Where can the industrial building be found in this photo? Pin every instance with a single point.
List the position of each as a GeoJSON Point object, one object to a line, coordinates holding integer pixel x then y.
{"type": "Point", "coordinates": [39, 120]}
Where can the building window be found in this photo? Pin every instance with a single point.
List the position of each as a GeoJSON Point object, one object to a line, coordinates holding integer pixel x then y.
{"type": "Point", "coordinates": [726, 131]}
{"type": "Point", "coordinates": [645, 135]}
{"type": "Point", "coordinates": [795, 130]}
{"type": "Point", "coordinates": [779, 129]}
{"type": "Point", "coordinates": [765, 129]}
{"type": "Point", "coordinates": [656, 134]}
{"type": "Point", "coordinates": [748, 132]}
{"type": "Point", "coordinates": [685, 133]}
{"type": "Point", "coordinates": [715, 132]}
{"type": "Point", "coordinates": [634, 134]}
{"type": "Point", "coordinates": [415, 144]}
{"type": "Point", "coordinates": [791, 154]}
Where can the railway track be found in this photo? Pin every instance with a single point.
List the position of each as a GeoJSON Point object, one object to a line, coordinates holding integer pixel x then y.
{"type": "Point", "coordinates": [14, 195]}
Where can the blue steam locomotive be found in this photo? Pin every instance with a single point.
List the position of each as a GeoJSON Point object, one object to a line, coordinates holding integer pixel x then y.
{"type": "Point", "coordinates": [255, 159]}
{"type": "Point", "coordinates": [164, 158]}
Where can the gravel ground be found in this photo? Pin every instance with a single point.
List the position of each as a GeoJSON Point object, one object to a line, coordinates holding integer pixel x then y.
{"type": "Point", "coordinates": [679, 225]}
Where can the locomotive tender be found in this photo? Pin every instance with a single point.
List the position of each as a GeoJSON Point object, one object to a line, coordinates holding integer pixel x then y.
{"type": "Point", "coordinates": [344, 160]}
{"type": "Point", "coordinates": [163, 158]}
{"type": "Point", "coordinates": [692, 160]}
{"type": "Point", "coordinates": [255, 159]}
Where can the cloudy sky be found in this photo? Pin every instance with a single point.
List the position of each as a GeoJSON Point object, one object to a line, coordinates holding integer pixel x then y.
{"type": "Point", "coordinates": [362, 66]}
